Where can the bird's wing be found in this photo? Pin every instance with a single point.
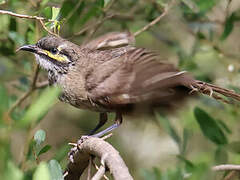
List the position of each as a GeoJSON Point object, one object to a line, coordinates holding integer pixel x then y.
{"type": "Point", "coordinates": [111, 40]}
{"type": "Point", "coordinates": [135, 76]}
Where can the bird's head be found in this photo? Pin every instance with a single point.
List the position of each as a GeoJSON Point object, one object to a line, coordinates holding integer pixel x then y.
{"type": "Point", "coordinates": [53, 53]}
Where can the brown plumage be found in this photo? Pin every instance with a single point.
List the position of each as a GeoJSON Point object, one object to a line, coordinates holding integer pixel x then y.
{"type": "Point", "coordinates": [110, 75]}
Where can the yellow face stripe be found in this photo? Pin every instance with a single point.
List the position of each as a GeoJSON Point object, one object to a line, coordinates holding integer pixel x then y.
{"type": "Point", "coordinates": [56, 57]}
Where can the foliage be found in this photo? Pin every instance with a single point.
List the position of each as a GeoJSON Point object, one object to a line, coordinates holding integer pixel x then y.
{"type": "Point", "coordinates": [193, 33]}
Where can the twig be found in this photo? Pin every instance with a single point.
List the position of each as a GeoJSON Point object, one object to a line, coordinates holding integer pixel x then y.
{"type": "Point", "coordinates": [226, 167]}
{"type": "Point", "coordinates": [101, 22]}
{"type": "Point", "coordinates": [21, 15]}
{"type": "Point", "coordinates": [41, 85]}
{"type": "Point", "coordinates": [93, 25]}
{"type": "Point", "coordinates": [97, 168]}
{"type": "Point", "coordinates": [230, 175]}
{"type": "Point", "coordinates": [96, 25]}
{"type": "Point", "coordinates": [100, 173]}
{"type": "Point", "coordinates": [107, 136]}
{"type": "Point", "coordinates": [228, 8]}
{"type": "Point", "coordinates": [40, 19]}
{"type": "Point", "coordinates": [155, 21]}
{"type": "Point", "coordinates": [101, 149]}
{"type": "Point", "coordinates": [74, 10]}
{"type": "Point", "coordinates": [46, 29]}
{"type": "Point", "coordinates": [89, 168]}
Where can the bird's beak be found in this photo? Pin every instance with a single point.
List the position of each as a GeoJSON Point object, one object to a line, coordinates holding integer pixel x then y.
{"type": "Point", "coordinates": [29, 48]}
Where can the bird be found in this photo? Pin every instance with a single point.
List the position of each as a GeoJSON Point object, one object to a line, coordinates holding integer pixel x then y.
{"type": "Point", "coordinates": [110, 74]}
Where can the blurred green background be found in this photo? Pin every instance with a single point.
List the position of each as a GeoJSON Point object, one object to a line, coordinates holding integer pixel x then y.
{"type": "Point", "coordinates": [200, 36]}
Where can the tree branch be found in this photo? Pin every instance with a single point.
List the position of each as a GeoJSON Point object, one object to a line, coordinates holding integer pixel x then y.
{"type": "Point", "coordinates": [98, 147]}
{"type": "Point", "coordinates": [40, 19]}
{"type": "Point", "coordinates": [100, 173]}
{"type": "Point", "coordinates": [21, 15]}
{"type": "Point", "coordinates": [155, 21]}
{"type": "Point", "coordinates": [226, 167]}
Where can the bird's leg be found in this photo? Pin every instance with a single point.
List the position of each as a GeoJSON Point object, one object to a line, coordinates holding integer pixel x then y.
{"type": "Point", "coordinates": [117, 123]}
{"type": "Point", "coordinates": [103, 117]}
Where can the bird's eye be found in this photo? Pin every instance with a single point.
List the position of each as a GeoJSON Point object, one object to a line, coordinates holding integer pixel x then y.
{"type": "Point", "coordinates": [54, 50]}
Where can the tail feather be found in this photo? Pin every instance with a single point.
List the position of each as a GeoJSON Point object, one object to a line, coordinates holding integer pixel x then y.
{"type": "Point", "coordinates": [214, 91]}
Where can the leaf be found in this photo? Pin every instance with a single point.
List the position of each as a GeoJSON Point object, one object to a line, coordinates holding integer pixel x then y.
{"type": "Point", "coordinates": [189, 165]}
{"type": "Point", "coordinates": [234, 147]}
{"type": "Point", "coordinates": [229, 24]}
{"type": "Point", "coordinates": [40, 107]}
{"type": "Point", "coordinates": [40, 136]}
{"type": "Point", "coordinates": [93, 11]}
{"type": "Point", "coordinates": [100, 3]}
{"type": "Point", "coordinates": [224, 126]}
{"type": "Point", "coordinates": [42, 172]}
{"type": "Point", "coordinates": [221, 156]}
{"type": "Point", "coordinates": [47, 11]}
{"type": "Point", "coordinates": [55, 13]}
{"type": "Point", "coordinates": [44, 149]}
{"type": "Point", "coordinates": [55, 170]}
{"type": "Point", "coordinates": [186, 134]}
{"type": "Point", "coordinates": [13, 24]}
{"type": "Point", "coordinates": [12, 172]}
{"type": "Point", "coordinates": [43, 3]}
{"type": "Point", "coordinates": [75, 16]}
{"type": "Point", "coordinates": [209, 127]}
{"type": "Point", "coordinates": [66, 8]}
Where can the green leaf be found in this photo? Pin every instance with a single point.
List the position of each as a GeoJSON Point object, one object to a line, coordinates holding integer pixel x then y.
{"type": "Point", "coordinates": [12, 172]}
{"type": "Point", "coordinates": [43, 3]}
{"type": "Point", "coordinates": [55, 170]}
{"type": "Point", "coordinates": [221, 156]}
{"type": "Point", "coordinates": [47, 11]}
{"type": "Point", "coordinates": [189, 165]}
{"type": "Point", "coordinates": [106, 2]}
{"type": "Point", "coordinates": [40, 107]}
{"type": "Point", "coordinates": [186, 134]}
{"type": "Point", "coordinates": [13, 24]}
{"type": "Point", "coordinates": [44, 149]}
{"type": "Point", "coordinates": [2, 2]}
{"type": "Point", "coordinates": [228, 26]}
{"type": "Point", "coordinates": [55, 13]}
{"type": "Point", "coordinates": [224, 126]}
{"type": "Point", "coordinates": [93, 11]}
{"type": "Point", "coordinates": [75, 16]}
{"type": "Point", "coordinates": [234, 147]}
{"type": "Point", "coordinates": [100, 3]}
{"type": "Point", "coordinates": [209, 127]}
{"type": "Point", "coordinates": [40, 136]}
{"type": "Point", "coordinates": [66, 8]}
{"type": "Point", "coordinates": [42, 172]}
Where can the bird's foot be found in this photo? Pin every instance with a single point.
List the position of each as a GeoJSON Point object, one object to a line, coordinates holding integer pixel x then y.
{"type": "Point", "coordinates": [75, 148]}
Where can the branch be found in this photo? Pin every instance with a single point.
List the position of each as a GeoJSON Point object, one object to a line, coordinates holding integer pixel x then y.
{"type": "Point", "coordinates": [98, 147]}
{"type": "Point", "coordinates": [40, 19]}
{"type": "Point", "coordinates": [21, 15]}
{"type": "Point", "coordinates": [226, 167]}
{"type": "Point", "coordinates": [100, 173]}
{"type": "Point", "coordinates": [155, 21]}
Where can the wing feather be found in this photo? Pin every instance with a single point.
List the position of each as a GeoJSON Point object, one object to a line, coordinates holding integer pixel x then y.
{"type": "Point", "coordinates": [136, 76]}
